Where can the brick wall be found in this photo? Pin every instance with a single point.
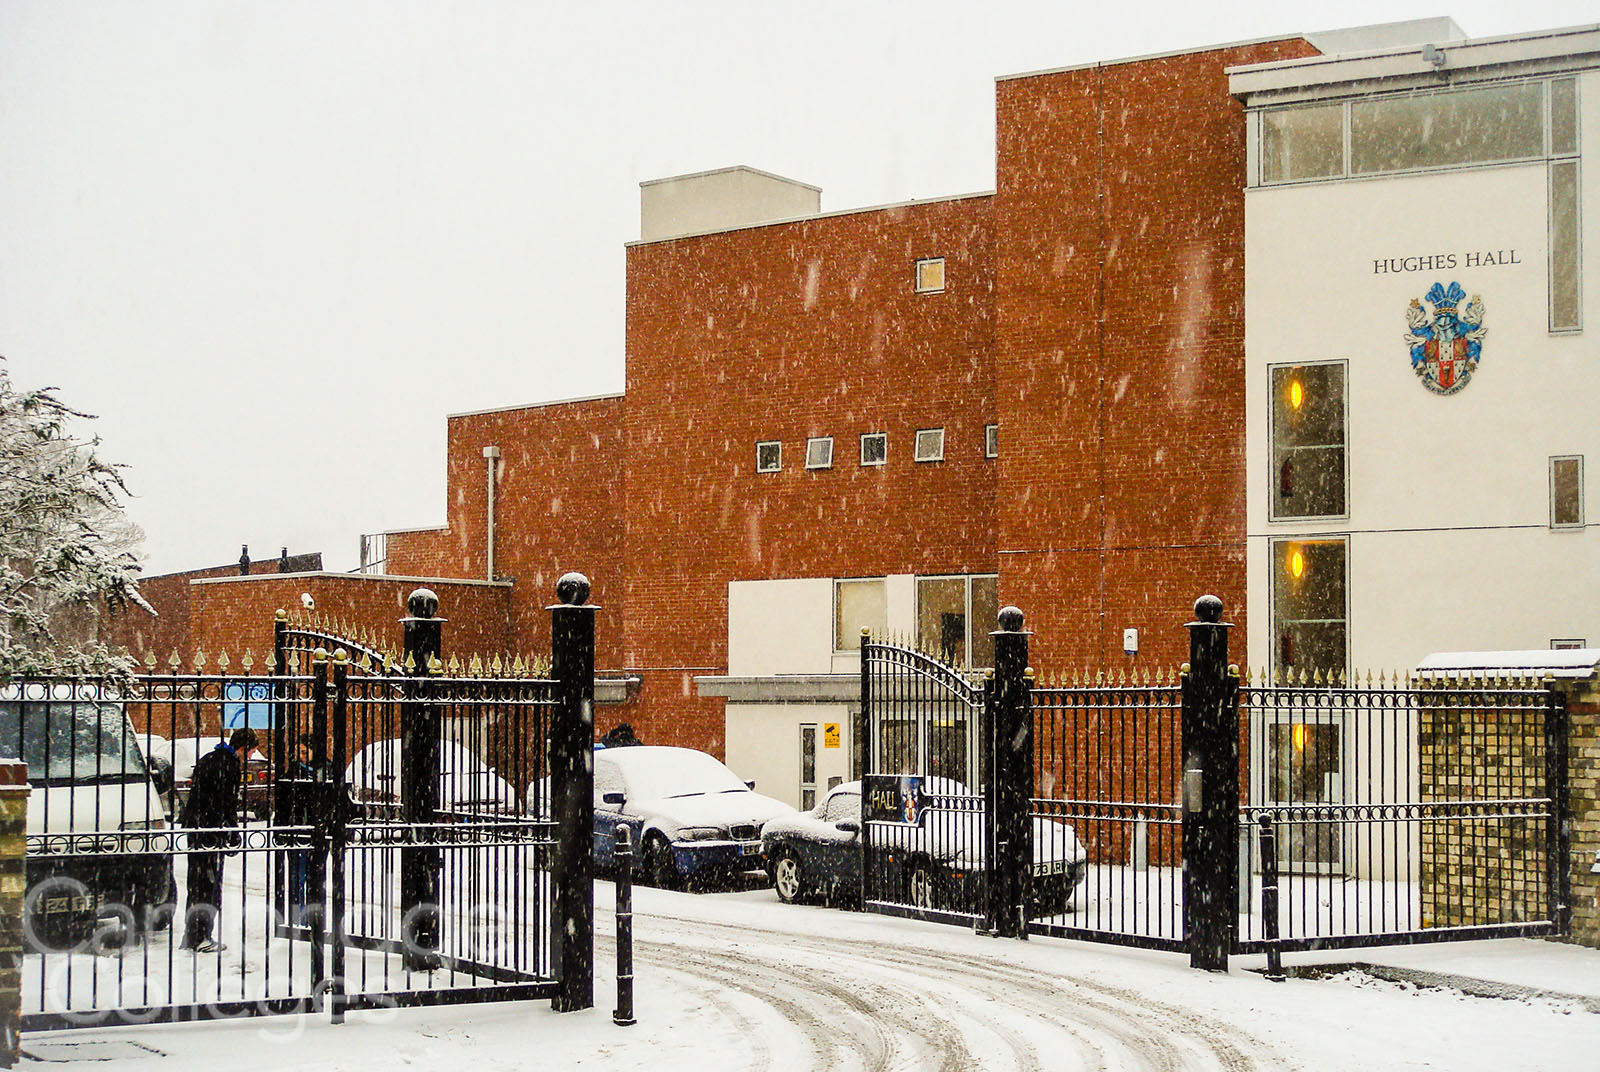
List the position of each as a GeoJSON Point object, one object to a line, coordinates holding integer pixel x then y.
{"type": "Point", "coordinates": [1583, 775]}
{"type": "Point", "coordinates": [168, 631]}
{"type": "Point", "coordinates": [1476, 872]}
{"type": "Point", "coordinates": [1119, 224]}
{"type": "Point", "coordinates": [13, 860]}
{"type": "Point", "coordinates": [422, 553]}
{"type": "Point", "coordinates": [786, 332]}
{"type": "Point", "coordinates": [236, 615]}
{"type": "Point", "coordinates": [559, 508]}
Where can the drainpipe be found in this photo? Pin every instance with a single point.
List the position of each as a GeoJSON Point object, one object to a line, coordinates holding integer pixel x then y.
{"type": "Point", "coordinates": [491, 457]}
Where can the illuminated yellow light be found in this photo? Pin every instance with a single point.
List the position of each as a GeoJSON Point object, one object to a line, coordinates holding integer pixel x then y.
{"type": "Point", "coordinates": [1299, 734]}
{"type": "Point", "coordinates": [1297, 563]}
{"type": "Point", "coordinates": [1297, 394]}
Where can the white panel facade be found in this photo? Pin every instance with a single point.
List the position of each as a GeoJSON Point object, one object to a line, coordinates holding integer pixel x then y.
{"type": "Point", "coordinates": [1447, 509]}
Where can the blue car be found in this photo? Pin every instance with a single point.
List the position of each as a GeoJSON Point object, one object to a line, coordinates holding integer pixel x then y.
{"type": "Point", "coordinates": [690, 816]}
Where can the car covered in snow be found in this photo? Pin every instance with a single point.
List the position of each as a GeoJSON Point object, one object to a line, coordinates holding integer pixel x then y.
{"type": "Point", "coordinates": [689, 816]}
{"type": "Point", "coordinates": [466, 784]}
{"type": "Point", "coordinates": [91, 815]}
{"type": "Point", "coordinates": [935, 860]}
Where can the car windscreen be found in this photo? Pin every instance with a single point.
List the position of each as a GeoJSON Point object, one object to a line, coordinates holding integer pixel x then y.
{"type": "Point", "coordinates": [70, 742]}
{"type": "Point", "coordinates": [670, 772]}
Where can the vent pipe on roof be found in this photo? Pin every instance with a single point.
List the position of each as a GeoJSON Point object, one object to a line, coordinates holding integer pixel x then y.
{"type": "Point", "coordinates": [491, 457]}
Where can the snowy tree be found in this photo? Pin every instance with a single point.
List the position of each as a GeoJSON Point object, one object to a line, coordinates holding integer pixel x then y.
{"type": "Point", "coordinates": [68, 553]}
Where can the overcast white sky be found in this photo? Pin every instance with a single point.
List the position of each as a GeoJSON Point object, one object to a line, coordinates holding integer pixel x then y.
{"type": "Point", "coordinates": [272, 245]}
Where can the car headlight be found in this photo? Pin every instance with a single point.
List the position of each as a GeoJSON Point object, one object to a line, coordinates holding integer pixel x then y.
{"type": "Point", "coordinates": [701, 833]}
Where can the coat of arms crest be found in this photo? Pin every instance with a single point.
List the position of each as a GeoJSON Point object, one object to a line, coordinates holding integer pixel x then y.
{"type": "Point", "coordinates": [1446, 345]}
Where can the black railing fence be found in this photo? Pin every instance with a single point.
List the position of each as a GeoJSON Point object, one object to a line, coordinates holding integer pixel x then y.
{"type": "Point", "coordinates": [390, 838]}
{"type": "Point", "coordinates": [1108, 757]}
{"type": "Point", "coordinates": [1404, 809]}
{"type": "Point", "coordinates": [1198, 811]}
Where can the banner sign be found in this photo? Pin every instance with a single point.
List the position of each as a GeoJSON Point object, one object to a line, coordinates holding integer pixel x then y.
{"type": "Point", "coordinates": [893, 798]}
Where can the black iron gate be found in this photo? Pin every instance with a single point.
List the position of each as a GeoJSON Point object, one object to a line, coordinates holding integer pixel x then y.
{"type": "Point", "coordinates": [1197, 812]}
{"type": "Point", "coordinates": [946, 833]}
{"type": "Point", "coordinates": [1402, 810]}
{"type": "Point", "coordinates": [434, 853]}
{"type": "Point", "coordinates": [924, 832]}
{"type": "Point", "coordinates": [395, 843]}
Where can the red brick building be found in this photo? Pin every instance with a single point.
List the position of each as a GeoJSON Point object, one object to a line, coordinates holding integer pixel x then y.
{"type": "Point", "coordinates": [1087, 315]}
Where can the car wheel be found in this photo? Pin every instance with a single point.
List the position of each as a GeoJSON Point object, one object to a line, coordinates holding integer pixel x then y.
{"type": "Point", "coordinates": [786, 877]}
{"type": "Point", "coordinates": [920, 886]}
{"type": "Point", "coordinates": [659, 867]}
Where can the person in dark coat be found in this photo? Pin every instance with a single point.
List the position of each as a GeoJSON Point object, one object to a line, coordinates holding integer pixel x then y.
{"type": "Point", "coordinates": [213, 805]}
{"type": "Point", "coordinates": [302, 771]}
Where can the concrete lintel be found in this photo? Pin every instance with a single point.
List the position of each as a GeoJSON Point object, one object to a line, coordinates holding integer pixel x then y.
{"type": "Point", "coordinates": [783, 688]}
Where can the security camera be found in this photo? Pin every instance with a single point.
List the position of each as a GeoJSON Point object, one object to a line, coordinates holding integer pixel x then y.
{"type": "Point", "coordinates": [307, 602]}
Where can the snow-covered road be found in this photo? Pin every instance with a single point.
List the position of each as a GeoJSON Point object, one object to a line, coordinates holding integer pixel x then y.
{"type": "Point", "coordinates": [812, 1002]}
{"type": "Point", "coordinates": [734, 981]}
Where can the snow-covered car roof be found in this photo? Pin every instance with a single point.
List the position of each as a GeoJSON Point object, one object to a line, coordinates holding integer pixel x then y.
{"type": "Point", "coordinates": [661, 772]}
{"type": "Point", "coordinates": [463, 776]}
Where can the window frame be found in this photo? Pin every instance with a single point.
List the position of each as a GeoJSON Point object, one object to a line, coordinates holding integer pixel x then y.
{"type": "Point", "coordinates": [1345, 103]}
{"type": "Point", "coordinates": [916, 275]}
{"type": "Point", "coordinates": [777, 444]}
{"type": "Point", "coordinates": [1273, 557]}
{"type": "Point", "coordinates": [991, 441]}
{"type": "Point", "coordinates": [916, 450]}
{"type": "Point", "coordinates": [1566, 526]}
{"type": "Point", "coordinates": [970, 656]}
{"type": "Point", "coordinates": [1568, 643]}
{"type": "Point", "coordinates": [883, 437]}
{"type": "Point", "coordinates": [838, 582]}
{"type": "Point", "coordinates": [808, 787]}
{"type": "Point", "coordinates": [813, 441]}
{"type": "Point", "coordinates": [1272, 451]}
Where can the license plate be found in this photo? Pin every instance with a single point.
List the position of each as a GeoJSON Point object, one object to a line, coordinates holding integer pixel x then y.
{"type": "Point", "coordinates": [1051, 867]}
{"type": "Point", "coordinates": [750, 848]}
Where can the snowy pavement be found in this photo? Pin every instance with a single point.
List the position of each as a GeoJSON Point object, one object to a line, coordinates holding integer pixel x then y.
{"type": "Point", "coordinates": [733, 981]}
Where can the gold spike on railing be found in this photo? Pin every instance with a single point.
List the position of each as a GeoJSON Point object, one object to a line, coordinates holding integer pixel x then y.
{"type": "Point", "coordinates": [199, 661]}
{"type": "Point", "coordinates": [474, 667]}
{"type": "Point", "coordinates": [150, 661]}
{"type": "Point", "coordinates": [518, 669]}
{"type": "Point", "coordinates": [248, 662]}
{"type": "Point", "coordinates": [223, 662]}
{"type": "Point", "coordinates": [173, 662]}
{"type": "Point", "coordinates": [434, 665]}
{"type": "Point", "coordinates": [410, 664]}
{"type": "Point", "coordinates": [499, 666]}
{"type": "Point", "coordinates": [364, 664]}
{"type": "Point", "coordinates": [454, 665]}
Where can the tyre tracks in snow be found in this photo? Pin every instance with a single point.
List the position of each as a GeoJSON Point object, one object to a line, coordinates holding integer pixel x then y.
{"type": "Point", "coordinates": [810, 1002]}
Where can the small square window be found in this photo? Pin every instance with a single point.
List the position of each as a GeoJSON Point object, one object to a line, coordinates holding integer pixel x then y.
{"type": "Point", "coordinates": [819, 452]}
{"type": "Point", "coordinates": [874, 448]}
{"type": "Point", "coordinates": [769, 457]}
{"type": "Point", "coordinates": [930, 445]}
{"type": "Point", "coordinates": [1566, 492]}
{"type": "Point", "coordinates": [930, 275]}
{"type": "Point", "coordinates": [991, 441]}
